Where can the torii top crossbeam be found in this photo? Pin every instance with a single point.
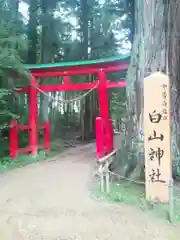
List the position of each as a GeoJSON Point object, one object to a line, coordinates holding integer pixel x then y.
{"type": "Point", "coordinates": [67, 69]}
{"type": "Point", "coordinates": [79, 67]}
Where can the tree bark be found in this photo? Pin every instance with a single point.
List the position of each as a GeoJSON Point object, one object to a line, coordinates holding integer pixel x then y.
{"type": "Point", "coordinates": [155, 48]}
{"type": "Point", "coordinates": [32, 32]}
{"type": "Point", "coordinates": [174, 72]}
{"type": "Point", "coordinates": [84, 22]}
{"type": "Point", "coordinates": [148, 56]}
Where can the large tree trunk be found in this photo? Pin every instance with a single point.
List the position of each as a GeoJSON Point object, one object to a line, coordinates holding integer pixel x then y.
{"type": "Point", "coordinates": [45, 57]}
{"type": "Point", "coordinates": [174, 71]}
{"type": "Point", "coordinates": [149, 54]}
{"type": "Point", "coordinates": [85, 38]}
{"type": "Point", "coordinates": [14, 9]}
{"type": "Point", "coordinates": [32, 31]}
{"type": "Point", "coordinates": [155, 47]}
{"type": "Point", "coordinates": [48, 45]}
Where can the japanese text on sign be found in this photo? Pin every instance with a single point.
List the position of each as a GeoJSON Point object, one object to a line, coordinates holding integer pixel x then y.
{"type": "Point", "coordinates": [157, 136]}
{"type": "Point", "coordinates": [156, 154]}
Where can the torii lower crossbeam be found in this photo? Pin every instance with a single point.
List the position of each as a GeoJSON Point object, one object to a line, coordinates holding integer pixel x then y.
{"type": "Point", "coordinates": [75, 86]}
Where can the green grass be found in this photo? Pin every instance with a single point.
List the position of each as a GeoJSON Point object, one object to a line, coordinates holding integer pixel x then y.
{"type": "Point", "coordinates": [133, 194]}
{"type": "Point", "coordinates": [24, 159]}
{"type": "Point", "coordinates": [123, 192]}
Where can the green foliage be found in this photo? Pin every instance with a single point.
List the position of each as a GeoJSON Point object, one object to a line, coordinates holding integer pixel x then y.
{"type": "Point", "coordinates": [10, 47]}
{"type": "Point", "coordinates": [56, 31]}
{"type": "Point", "coordinates": [7, 164]}
{"type": "Point", "coordinates": [118, 104]}
{"type": "Point", "coordinates": [12, 44]}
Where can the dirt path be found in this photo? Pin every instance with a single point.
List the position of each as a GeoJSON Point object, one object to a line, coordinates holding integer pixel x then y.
{"type": "Point", "coordinates": [51, 201]}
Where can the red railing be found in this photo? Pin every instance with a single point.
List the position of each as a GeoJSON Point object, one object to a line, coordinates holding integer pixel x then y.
{"type": "Point", "coordinates": [14, 144]}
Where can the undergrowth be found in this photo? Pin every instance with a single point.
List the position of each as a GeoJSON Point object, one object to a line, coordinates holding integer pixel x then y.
{"type": "Point", "coordinates": [6, 163]}
{"type": "Point", "coordinates": [132, 194]}
{"type": "Point", "coordinates": [126, 192]}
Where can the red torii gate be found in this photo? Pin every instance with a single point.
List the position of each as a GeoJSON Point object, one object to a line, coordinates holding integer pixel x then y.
{"type": "Point", "coordinates": [104, 130]}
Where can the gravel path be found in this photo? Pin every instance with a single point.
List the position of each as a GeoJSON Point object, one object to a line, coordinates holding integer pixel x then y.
{"type": "Point", "coordinates": [51, 200]}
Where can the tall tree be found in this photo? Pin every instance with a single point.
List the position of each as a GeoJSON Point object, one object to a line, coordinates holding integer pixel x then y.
{"type": "Point", "coordinates": [12, 44]}
{"type": "Point", "coordinates": [32, 31]}
{"type": "Point", "coordinates": [155, 48]}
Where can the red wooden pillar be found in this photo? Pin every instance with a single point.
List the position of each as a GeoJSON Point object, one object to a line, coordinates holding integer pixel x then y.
{"type": "Point", "coordinates": [33, 117]}
{"type": "Point", "coordinates": [104, 110]}
{"type": "Point", "coordinates": [99, 138]}
{"type": "Point", "coordinates": [103, 96]}
{"type": "Point", "coordinates": [66, 80]}
{"type": "Point", "coordinates": [13, 139]}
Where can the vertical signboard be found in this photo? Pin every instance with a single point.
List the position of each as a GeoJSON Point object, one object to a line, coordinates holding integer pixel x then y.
{"type": "Point", "coordinates": [157, 136]}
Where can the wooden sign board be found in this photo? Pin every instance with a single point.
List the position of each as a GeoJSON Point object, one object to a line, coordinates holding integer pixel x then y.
{"type": "Point", "coordinates": [157, 136]}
